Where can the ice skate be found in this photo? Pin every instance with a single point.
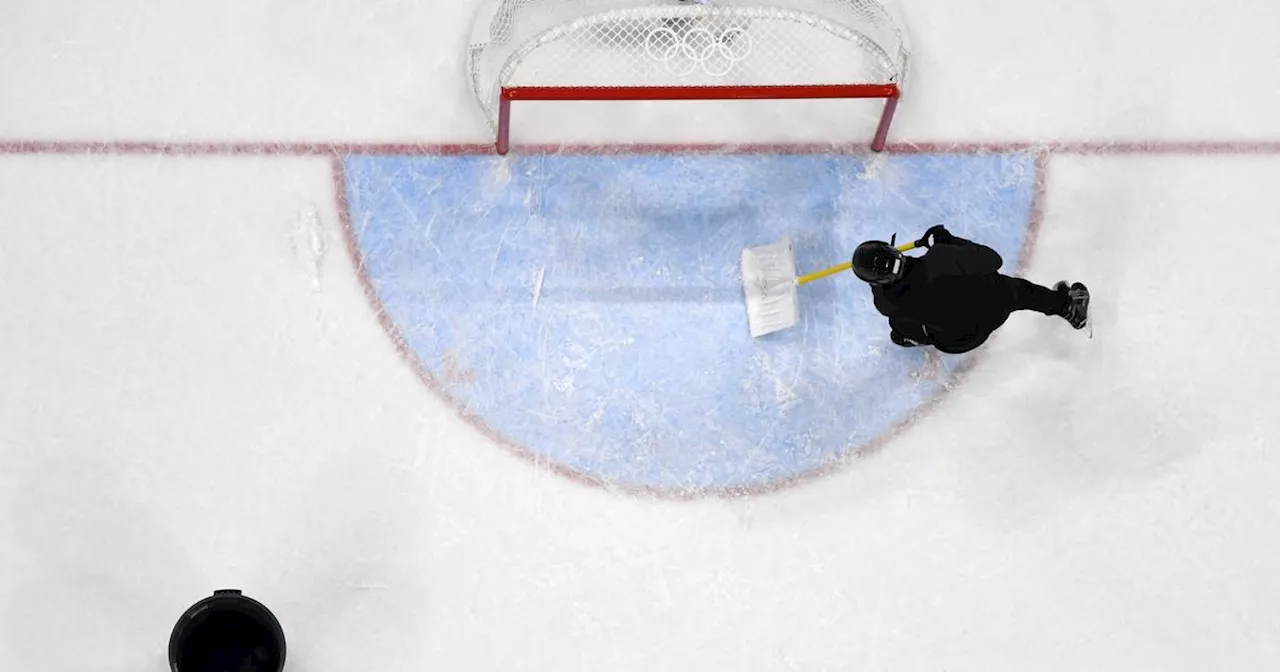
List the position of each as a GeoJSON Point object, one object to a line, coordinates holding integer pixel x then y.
{"type": "Point", "coordinates": [902, 340]}
{"type": "Point", "coordinates": [1076, 312]}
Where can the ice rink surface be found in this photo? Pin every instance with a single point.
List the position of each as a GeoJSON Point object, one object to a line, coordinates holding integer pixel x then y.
{"type": "Point", "coordinates": [201, 387]}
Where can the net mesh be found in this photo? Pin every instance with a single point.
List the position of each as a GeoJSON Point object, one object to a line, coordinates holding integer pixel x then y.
{"type": "Point", "coordinates": [663, 43]}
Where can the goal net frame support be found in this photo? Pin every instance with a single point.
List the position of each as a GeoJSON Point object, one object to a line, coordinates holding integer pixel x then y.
{"type": "Point", "coordinates": [890, 92]}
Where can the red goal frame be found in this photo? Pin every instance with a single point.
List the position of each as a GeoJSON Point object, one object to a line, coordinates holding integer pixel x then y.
{"type": "Point", "coordinates": [890, 92]}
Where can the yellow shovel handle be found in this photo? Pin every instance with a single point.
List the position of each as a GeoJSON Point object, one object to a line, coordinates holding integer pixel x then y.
{"type": "Point", "coordinates": [842, 267]}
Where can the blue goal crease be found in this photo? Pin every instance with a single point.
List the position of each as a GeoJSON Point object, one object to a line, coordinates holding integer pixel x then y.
{"type": "Point", "coordinates": [590, 309]}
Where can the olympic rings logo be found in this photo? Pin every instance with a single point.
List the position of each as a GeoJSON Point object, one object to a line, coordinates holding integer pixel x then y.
{"type": "Point", "coordinates": [688, 50]}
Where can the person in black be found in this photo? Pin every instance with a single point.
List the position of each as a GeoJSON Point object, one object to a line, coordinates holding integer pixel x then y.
{"type": "Point", "coordinates": [954, 297]}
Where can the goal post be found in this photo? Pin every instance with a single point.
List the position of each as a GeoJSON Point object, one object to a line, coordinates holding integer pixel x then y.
{"type": "Point", "coordinates": [646, 50]}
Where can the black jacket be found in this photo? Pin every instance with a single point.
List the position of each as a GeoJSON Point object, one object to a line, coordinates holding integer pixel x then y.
{"type": "Point", "coordinates": [952, 297]}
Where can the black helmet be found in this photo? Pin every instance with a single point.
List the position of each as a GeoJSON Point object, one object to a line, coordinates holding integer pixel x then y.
{"type": "Point", "coordinates": [877, 262]}
{"type": "Point", "coordinates": [228, 631]}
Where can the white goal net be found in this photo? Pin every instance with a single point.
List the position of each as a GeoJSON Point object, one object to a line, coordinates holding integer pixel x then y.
{"type": "Point", "coordinates": [669, 44]}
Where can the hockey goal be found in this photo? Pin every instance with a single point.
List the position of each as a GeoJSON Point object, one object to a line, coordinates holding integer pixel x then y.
{"type": "Point", "coordinates": [611, 50]}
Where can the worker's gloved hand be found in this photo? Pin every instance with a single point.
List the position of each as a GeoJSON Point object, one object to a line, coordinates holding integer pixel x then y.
{"type": "Point", "coordinates": [935, 234]}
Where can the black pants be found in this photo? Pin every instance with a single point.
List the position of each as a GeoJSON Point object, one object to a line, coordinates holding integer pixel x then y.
{"type": "Point", "coordinates": [1026, 295]}
{"type": "Point", "coordinates": [1013, 294]}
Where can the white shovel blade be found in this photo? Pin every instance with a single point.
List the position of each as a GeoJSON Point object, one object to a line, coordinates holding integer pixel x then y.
{"type": "Point", "coordinates": [769, 282]}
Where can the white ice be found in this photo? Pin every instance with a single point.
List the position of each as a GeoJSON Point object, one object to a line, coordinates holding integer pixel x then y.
{"type": "Point", "coordinates": [194, 393]}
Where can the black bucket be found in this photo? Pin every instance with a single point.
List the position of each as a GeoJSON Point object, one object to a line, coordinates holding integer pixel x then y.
{"type": "Point", "coordinates": [227, 633]}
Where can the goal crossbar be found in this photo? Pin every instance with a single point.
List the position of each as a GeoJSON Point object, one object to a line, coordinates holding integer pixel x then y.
{"type": "Point", "coordinates": [890, 92]}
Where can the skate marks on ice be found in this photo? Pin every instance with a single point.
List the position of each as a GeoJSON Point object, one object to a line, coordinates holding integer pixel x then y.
{"type": "Point", "coordinates": [595, 305]}
{"type": "Point", "coordinates": [309, 244]}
